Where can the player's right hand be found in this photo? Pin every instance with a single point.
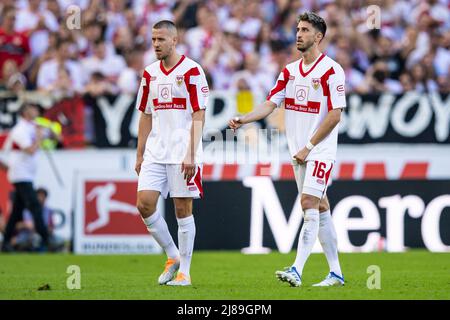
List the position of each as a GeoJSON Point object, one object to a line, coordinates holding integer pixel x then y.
{"type": "Point", "coordinates": [235, 123]}
{"type": "Point", "coordinates": [137, 167]}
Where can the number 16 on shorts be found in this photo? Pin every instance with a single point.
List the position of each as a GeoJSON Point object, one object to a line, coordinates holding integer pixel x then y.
{"type": "Point", "coordinates": [321, 172]}
{"type": "Point", "coordinates": [313, 178]}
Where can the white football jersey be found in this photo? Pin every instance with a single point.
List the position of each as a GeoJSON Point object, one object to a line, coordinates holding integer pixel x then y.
{"type": "Point", "coordinates": [22, 166]}
{"type": "Point", "coordinates": [171, 96]}
{"type": "Point", "coordinates": [308, 96]}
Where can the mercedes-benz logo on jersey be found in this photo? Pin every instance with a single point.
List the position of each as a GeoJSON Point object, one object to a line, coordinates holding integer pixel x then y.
{"type": "Point", "coordinates": [301, 95]}
{"type": "Point", "coordinates": [165, 93]}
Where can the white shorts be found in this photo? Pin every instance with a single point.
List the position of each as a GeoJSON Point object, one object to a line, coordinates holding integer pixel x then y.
{"type": "Point", "coordinates": [313, 177]}
{"type": "Point", "coordinates": [167, 178]}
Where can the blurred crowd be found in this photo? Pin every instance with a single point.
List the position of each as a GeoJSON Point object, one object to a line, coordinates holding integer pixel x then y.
{"type": "Point", "coordinates": [241, 44]}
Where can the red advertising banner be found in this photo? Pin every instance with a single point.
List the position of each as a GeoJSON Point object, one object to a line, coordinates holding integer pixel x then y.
{"type": "Point", "coordinates": [110, 208]}
{"type": "Point", "coordinates": [5, 190]}
{"type": "Point", "coordinates": [106, 218]}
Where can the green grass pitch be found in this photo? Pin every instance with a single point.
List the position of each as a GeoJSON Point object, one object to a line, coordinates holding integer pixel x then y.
{"type": "Point", "coordinates": [223, 275]}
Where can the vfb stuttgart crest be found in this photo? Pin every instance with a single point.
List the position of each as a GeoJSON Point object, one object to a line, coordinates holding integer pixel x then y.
{"type": "Point", "coordinates": [316, 83]}
{"type": "Point", "coordinates": [179, 80]}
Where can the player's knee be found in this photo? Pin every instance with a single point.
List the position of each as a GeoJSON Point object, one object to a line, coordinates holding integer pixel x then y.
{"type": "Point", "coordinates": [309, 202]}
{"type": "Point", "coordinates": [146, 208]}
{"type": "Point", "coordinates": [323, 206]}
{"type": "Point", "coordinates": [181, 212]}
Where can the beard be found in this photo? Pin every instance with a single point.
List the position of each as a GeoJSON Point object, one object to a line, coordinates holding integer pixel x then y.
{"type": "Point", "coordinates": [163, 54]}
{"type": "Point", "coordinates": [305, 46]}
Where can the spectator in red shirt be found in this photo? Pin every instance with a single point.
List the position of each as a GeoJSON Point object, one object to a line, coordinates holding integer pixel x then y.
{"type": "Point", "coordinates": [13, 45]}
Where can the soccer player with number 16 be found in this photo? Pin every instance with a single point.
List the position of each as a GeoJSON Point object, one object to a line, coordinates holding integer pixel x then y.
{"type": "Point", "coordinates": [312, 89]}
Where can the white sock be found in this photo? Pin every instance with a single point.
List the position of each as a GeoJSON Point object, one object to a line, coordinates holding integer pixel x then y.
{"type": "Point", "coordinates": [328, 240]}
{"type": "Point", "coordinates": [186, 236]}
{"type": "Point", "coordinates": [307, 238]}
{"type": "Point", "coordinates": [157, 227]}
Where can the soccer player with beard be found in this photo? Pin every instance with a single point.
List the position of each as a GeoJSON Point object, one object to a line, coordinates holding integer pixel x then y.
{"type": "Point", "coordinates": [172, 99]}
{"type": "Point", "coordinates": [312, 89]}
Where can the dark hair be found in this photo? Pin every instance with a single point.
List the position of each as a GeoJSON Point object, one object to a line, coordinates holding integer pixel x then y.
{"type": "Point", "coordinates": [165, 24]}
{"type": "Point", "coordinates": [97, 76]}
{"type": "Point", "coordinates": [27, 105]}
{"type": "Point", "coordinates": [91, 23]}
{"type": "Point", "coordinates": [7, 10]}
{"type": "Point", "coordinates": [317, 22]}
{"type": "Point", "coordinates": [98, 42]}
{"type": "Point", "coordinates": [62, 41]}
{"type": "Point", "coordinates": [42, 190]}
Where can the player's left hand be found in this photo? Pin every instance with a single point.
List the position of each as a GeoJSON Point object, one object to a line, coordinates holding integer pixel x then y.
{"type": "Point", "coordinates": [188, 167]}
{"type": "Point", "coordinates": [300, 157]}
{"type": "Point", "coordinates": [235, 123]}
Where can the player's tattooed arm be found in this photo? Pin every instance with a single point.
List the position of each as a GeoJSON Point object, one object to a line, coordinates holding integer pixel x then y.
{"type": "Point", "coordinates": [259, 113]}
{"type": "Point", "coordinates": [145, 126]}
{"type": "Point", "coordinates": [329, 123]}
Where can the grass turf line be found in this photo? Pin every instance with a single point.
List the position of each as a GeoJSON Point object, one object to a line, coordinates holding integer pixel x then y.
{"type": "Point", "coordinates": [224, 275]}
